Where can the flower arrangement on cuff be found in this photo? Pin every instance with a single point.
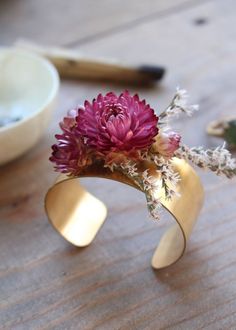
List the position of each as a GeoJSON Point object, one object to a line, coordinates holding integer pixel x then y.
{"type": "Point", "coordinates": [120, 132]}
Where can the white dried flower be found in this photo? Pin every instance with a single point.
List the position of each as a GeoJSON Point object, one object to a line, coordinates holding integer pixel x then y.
{"type": "Point", "coordinates": [178, 105]}
{"type": "Point", "coordinates": [149, 182]}
{"type": "Point", "coordinates": [180, 101]}
{"type": "Point", "coordinates": [155, 212]}
{"type": "Point", "coordinates": [218, 160]}
{"type": "Point", "coordinates": [130, 168]}
{"type": "Point", "coordinates": [169, 177]}
{"type": "Point", "coordinates": [154, 207]}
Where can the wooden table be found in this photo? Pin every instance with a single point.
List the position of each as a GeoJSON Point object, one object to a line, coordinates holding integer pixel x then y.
{"type": "Point", "coordinates": [45, 283]}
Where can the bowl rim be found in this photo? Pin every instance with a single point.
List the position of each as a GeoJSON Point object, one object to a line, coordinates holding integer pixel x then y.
{"type": "Point", "coordinates": [51, 94]}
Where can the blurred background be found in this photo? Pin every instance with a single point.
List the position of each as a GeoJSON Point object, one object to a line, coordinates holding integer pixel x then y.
{"type": "Point", "coordinates": [193, 40]}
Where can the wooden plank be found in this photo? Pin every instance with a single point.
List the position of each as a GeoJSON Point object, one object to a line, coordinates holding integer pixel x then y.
{"type": "Point", "coordinates": [47, 284]}
{"type": "Point", "coordinates": [59, 22]}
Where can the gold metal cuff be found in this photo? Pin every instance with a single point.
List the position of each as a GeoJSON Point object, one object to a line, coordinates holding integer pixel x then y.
{"type": "Point", "coordinates": [77, 215]}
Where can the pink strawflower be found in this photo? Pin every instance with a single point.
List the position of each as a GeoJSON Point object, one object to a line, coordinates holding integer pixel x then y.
{"type": "Point", "coordinates": [117, 124]}
{"type": "Point", "coordinates": [112, 129]}
{"type": "Point", "coordinates": [167, 143]}
{"type": "Point", "coordinates": [70, 154]}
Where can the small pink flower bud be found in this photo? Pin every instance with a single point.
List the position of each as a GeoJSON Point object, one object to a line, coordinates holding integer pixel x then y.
{"type": "Point", "coordinates": [72, 113]}
{"type": "Point", "coordinates": [70, 120]}
{"type": "Point", "coordinates": [167, 143]}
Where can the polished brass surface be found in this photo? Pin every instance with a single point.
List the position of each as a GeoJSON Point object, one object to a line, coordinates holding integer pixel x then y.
{"type": "Point", "coordinates": [77, 215]}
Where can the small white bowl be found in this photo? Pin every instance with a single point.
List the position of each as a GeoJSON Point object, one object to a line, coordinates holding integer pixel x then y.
{"type": "Point", "coordinates": [28, 88]}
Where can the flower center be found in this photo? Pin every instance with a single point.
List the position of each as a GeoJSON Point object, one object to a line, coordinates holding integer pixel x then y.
{"type": "Point", "coordinates": [113, 111]}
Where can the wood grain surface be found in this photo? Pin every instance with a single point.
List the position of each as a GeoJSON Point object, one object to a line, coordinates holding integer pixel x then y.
{"type": "Point", "coordinates": [45, 283]}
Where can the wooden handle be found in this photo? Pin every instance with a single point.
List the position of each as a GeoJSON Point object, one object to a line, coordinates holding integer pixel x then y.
{"type": "Point", "coordinates": [71, 64]}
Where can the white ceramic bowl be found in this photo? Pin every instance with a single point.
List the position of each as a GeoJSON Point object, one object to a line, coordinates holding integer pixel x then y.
{"type": "Point", "coordinates": [28, 88]}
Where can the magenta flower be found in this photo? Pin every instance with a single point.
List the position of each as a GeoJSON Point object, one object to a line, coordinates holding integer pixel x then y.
{"type": "Point", "coordinates": [70, 155]}
{"type": "Point", "coordinates": [112, 128]}
{"type": "Point", "coordinates": [117, 124]}
{"type": "Point", "coordinates": [167, 143]}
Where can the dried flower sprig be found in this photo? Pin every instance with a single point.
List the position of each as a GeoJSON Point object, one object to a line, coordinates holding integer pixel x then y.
{"type": "Point", "coordinates": [120, 132]}
{"type": "Point", "coordinates": [179, 104]}
{"type": "Point", "coordinates": [218, 160]}
{"type": "Point", "coordinates": [145, 182]}
{"type": "Point", "coordinates": [169, 178]}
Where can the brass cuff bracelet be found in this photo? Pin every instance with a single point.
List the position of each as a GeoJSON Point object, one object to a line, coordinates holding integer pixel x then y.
{"type": "Point", "coordinates": [77, 215]}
